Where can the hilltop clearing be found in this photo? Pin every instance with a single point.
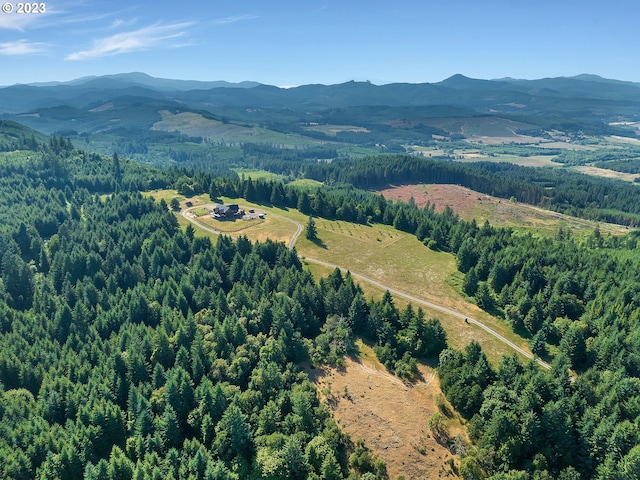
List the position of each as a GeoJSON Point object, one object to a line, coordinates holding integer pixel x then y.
{"type": "Point", "coordinates": [469, 205]}
{"type": "Point", "coordinates": [390, 415]}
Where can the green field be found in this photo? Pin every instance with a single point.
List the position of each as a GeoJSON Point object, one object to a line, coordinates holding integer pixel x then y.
{"type": "Point", "coordinates": [254, 174]}
{"type": "Point", "coordinates": [306, 183]}
{"type": "Point", "coordinates": [268, 176]}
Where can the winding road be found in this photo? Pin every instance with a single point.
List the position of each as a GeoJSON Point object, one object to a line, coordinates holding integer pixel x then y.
{"type": "Point", "coordinates": [375, 283]}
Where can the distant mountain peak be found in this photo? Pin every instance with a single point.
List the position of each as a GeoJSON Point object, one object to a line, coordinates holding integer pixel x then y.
{"type": "Point", "coordinates": [461, 81]}
{"type": "Point", "coordinates": [456, 77]}
{"type": "Point", "coordinates": [589, 76]}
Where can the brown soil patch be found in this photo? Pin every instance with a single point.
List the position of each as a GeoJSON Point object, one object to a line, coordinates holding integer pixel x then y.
{"type": "Point", "coordinates": [389, 415]}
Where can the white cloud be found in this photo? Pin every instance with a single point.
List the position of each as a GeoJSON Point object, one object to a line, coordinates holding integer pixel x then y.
{"type": "Point", "coordinates": [234, 19]}
{"type": "Point", "coordinates": [145, 38]}
{"type": "Point", "coordinates": [123, 23]}
{"type": "Point", "coordinates": [13, 21]}
{"type": "Point", "coordinates": [84, 19]}
{"type": "Point", "coordinates": [20, 47]}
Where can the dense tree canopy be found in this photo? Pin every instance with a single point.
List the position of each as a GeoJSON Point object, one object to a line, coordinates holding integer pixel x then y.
{"type": "Point", "coordinates": [130, 348]}
{"type": "Point", "coordinates": [134, 349]}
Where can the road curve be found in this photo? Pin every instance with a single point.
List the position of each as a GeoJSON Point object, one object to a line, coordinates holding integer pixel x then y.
{"type": "Point", "coordinates": [294, 239]}
{"type": "Point", "coordinates": [393, 291]}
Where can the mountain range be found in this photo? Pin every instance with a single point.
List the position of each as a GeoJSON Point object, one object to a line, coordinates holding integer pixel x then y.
{"type": "Point", "coordinates": [93, 104]}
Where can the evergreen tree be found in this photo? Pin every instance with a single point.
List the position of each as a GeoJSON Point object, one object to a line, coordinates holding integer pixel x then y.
{"type": "Point", "coordinates": [304, 203]}
{"type": "Point", "coordinates": [169, 428]}
{"type": "Point", "coordinates": [311, 232]}
{"type": "Point", "coordinates": [470, 282]}
{"type": "Point", "coordinates": [483, 296]}
{"type": "Point", "coordinates": [233, 435]}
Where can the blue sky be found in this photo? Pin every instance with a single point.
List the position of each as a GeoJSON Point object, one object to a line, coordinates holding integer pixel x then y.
{"type": "Point", "coordinates": [286, 42]}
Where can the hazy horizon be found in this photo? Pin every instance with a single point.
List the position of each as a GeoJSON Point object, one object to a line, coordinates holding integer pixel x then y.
{"type": "Point", "coordinates": [289, 43]}
{"type": "Point", "coordinates": [80, 80]}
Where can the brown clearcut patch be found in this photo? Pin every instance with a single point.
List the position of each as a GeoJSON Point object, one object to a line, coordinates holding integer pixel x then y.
{"type": "Point", "coordinates": [462, 200]}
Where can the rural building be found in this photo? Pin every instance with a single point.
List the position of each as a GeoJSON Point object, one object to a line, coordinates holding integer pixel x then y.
{"type": "Point", "coordinates": [227, 211]}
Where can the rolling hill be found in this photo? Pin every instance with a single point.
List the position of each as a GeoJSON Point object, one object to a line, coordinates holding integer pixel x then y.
{"type": "Point", "coordinates": [586, 95]}
{"type": "Point", "coordinates": [126, 111]}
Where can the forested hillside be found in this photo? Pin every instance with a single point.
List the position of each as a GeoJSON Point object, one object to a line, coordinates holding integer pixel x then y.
{"type": "Point", "coordinates": [580, 299]}
{"type": "Point", "coordinates": [576, 299]}
{"type": "Point", "coordinates": [132, 348]}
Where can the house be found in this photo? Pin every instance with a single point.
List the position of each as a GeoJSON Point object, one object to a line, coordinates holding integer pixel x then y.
{"type": "Point", "coordinates": [227, 211]}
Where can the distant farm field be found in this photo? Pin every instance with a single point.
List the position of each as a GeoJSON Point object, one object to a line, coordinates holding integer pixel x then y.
{"type": "Point", "coordinates": [471, 154]}
{"type": "Point", "coordinates": [481, 127]}
{"type": "Point", "coordinates": [264, 175]}
{"type": "Point", "coordinates": [196, 125]}
{"type": "Point", "coordinates": [254, 174]}
{"type": "Point", "coordinates": [334, 129]}
{"type": "Point", "coordinates": [529, 161]}
{"type": "Point", "coordinates": [604, 172]}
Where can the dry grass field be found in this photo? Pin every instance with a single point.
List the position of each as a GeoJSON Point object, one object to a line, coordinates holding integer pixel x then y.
{"type": "Point", "coordinates": [489, 130]}
{"type": "Point", "coordinates": [530, 161]}
{"type": "Point", "coordinates": [334, 129]}
{"type": "Point", "coordinates": [625, 140]}
{"type": "Point", "coordinates": [474, 155]}
{"type": "Point", "coordinates": [401, 262]}
{"type": "Point", "coordinates": [604, 172]}
{"type": "Point", "coordinates": [391, 416]}
{"type": "Point", "coordinates": [195, 125]}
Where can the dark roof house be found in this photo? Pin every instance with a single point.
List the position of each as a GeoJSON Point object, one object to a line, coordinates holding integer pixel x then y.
{"type": "Point", "coordinates": [226, 210]}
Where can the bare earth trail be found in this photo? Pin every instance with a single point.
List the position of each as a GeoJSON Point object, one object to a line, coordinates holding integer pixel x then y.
{"type": "Point", "coordinates": [393, 291]}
